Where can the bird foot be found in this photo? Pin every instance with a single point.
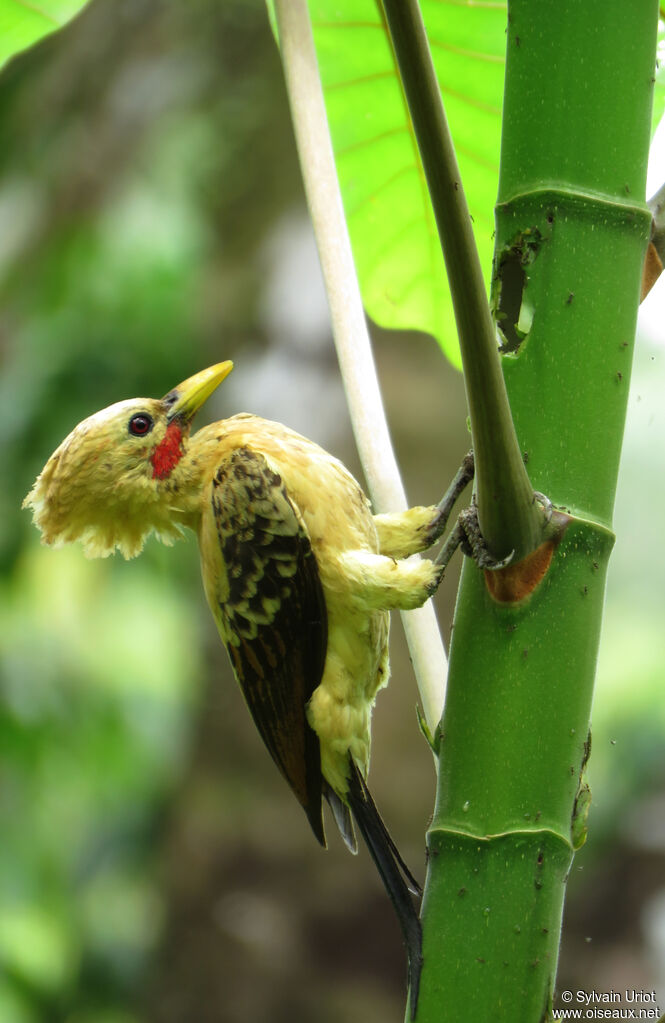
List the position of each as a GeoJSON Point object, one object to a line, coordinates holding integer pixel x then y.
{"type": "Point", "coordinates": [467, 535]}
{"type": "Point", "coordinates": [445, 506]}
{"type": "Point", "coordinates": [472, 542]}
{"type": "Point", "coordinates": [546, 503]}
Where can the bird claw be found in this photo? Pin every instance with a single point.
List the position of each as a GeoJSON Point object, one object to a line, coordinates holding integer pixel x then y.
{"type": "Point", "coordinates": [473, 542]}
{"type": "Point", "coordinates": [466, 534]}
{"type": "Point", "coordinates": [544, 500]}
{"type": "Point", "coordinates": [445, 506]}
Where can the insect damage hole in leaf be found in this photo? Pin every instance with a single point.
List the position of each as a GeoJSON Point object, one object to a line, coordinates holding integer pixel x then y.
{"type": "Point", "coordinates": [513, 311]}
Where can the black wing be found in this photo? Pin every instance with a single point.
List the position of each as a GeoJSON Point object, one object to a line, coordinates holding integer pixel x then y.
{"type": "Point", "coordinates": [273, 616]}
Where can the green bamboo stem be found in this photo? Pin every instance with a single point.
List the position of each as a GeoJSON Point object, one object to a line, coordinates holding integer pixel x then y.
{"type": "Point", "coordinates": [509, 519]}
{"type": "Point", "coordinates": [511, 798]}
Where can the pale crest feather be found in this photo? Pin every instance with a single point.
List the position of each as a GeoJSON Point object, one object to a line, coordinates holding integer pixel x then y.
{"type": "Point", "coordinates": [97, 487]}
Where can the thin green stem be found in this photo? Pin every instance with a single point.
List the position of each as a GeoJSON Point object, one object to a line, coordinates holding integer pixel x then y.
{"type": "Point", "coordinates": [509, 519]}
{"type": "Point", "coordinates": [350, 332]}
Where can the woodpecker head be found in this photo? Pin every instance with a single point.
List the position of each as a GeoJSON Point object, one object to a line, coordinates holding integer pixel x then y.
{"type": "Point", "coordinates": [123, 472]}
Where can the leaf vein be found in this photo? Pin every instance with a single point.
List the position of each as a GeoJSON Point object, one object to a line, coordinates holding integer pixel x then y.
{"type": "Point", "coordinates": [487, 58]}
{"type": "Point", "coordinates": [37, 10]}
{"type": "Point", "coordinates": [488, 5]}
{"type": "Point", "coordinates": [360, 80]}
{"type": "Point", "coordinates": [361, 143]}
{"type": "Point", "coordinates": [381, 187]}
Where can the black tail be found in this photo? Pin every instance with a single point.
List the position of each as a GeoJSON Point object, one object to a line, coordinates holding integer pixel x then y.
{"type": "Point", "coordinates": [396, 876]}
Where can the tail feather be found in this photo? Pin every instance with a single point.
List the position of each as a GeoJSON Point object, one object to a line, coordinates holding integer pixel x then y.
{"type": "Point", "coordinates": [398, 880]}
{"type": "Point", "coordinates": [342, 817]}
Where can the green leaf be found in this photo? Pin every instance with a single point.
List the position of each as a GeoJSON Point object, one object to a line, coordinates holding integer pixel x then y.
{"type": "Point", "coordinates": [395, 242]}
{"type": "Point", "coordinates": [24, 22]}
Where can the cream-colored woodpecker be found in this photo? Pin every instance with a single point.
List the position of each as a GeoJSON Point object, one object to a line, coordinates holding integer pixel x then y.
{"type": "Point", "coordinates": [299, 575]}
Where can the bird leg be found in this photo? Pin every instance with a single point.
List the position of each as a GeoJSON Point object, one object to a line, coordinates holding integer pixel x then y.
{"type": "Point", "coordinates": [380, 583]}
{"type": "Point", "coordinates": [388, 581]}
{"type": "Point", "coordinates": [466, 535]}
{"type": "Point", "coordinates": [410, 532]}
{"type": "Point", "coordinates": [439, 521]}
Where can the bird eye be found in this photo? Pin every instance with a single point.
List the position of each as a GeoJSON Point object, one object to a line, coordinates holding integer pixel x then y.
{"type": "Point", "coordinates": [140, 425]}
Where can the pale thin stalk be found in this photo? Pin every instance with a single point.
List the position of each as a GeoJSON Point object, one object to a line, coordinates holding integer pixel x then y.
{"type": "Point", "coordinates": [348, 320]}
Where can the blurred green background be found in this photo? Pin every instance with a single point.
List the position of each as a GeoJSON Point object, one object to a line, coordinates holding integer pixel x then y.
{"type": "Point", "coordinates": [153, 865]}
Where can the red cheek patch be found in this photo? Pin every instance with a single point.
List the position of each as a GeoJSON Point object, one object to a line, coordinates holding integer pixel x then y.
{"type": "Point", "coordinates": [167, 454]}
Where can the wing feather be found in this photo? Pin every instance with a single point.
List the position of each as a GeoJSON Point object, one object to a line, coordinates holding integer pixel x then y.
{"type": "Point", "coordinates": [272, 615]}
